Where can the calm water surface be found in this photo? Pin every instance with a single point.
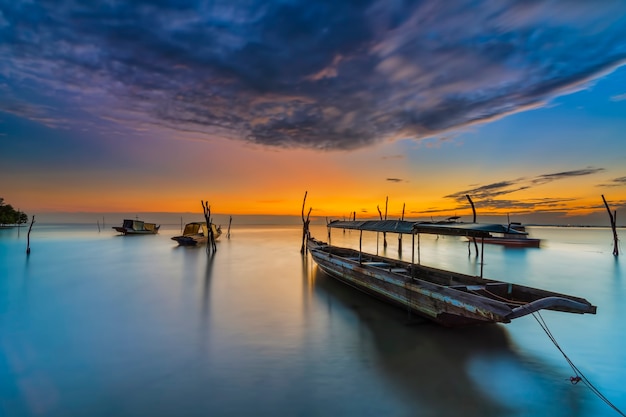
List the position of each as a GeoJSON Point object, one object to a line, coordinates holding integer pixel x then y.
{"type": "Point", "coordinates": [96, 324]}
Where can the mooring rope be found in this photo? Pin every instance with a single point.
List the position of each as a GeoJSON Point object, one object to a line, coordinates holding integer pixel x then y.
{"type": "Point", "coordinates": [579, 375]}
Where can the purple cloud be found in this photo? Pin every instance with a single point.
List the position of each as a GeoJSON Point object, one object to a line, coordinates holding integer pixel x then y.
{"type": "Point", "coordinates": [322, 75]}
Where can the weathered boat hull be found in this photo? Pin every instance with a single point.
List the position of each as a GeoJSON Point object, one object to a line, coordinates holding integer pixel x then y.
{"type": "Point", "coordinates": [191, 240]}
{"type": "Point", "coordinates": [448, 298]}
{"type": "Point", "coordinates": [513, 242]}
{"type": "Point", "coordinates": [126, 231]}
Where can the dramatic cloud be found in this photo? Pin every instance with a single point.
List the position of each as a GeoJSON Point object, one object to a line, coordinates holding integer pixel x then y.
{"type": "Point", "coordinates": [487, 195]}
{"type": "Point", "coordinates": [317, 74]}
{"type": "Point", "coordinates": [542, 179]}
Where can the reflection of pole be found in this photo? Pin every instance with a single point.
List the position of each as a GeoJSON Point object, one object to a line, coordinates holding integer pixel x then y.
{"type": "Point", "coordinates": [613, 217]}
{"type": "Point", "coordinates": [32, 221]}
{"type": "Point", "coordinates": [482, 254]}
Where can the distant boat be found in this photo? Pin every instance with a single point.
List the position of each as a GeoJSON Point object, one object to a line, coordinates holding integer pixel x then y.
{"type": "Point", "coordinates": [514, 236]}
{"type": "Point", "coordinates": [137, 227]}
{"type": "Point", "coordinates": [196, 233]}
{"type": "Point", "coordinates": [445, 297]}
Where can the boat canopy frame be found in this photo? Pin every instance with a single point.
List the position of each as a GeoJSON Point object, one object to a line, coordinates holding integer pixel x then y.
{"type": "Point", "coordinates": [472, 230]}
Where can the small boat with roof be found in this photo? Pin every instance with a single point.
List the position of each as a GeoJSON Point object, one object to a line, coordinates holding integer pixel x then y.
{"type": "Point", "coordinates": [446, 297]}
{"type": "Point", "coordinates": [197, 233]}
{"type": "Point", "coordinates": [137, 227]}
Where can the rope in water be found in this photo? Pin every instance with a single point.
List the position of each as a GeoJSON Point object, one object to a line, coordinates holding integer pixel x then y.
{"type": "Point", "coordinates": [579, 375]}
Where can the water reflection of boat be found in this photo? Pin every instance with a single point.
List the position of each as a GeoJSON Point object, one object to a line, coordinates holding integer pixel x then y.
{"type": "Point", "coordinates": [137, 227]}
{"type": "Point", "coordinates": [444, 372]}
{"type": "Point", "coordinates": [446, 297]}
{"type": "Point", "coordinates": [197, 233]}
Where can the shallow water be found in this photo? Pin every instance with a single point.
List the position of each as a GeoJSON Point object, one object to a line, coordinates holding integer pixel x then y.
{"type": "Point", "coordinates": [96, 324]}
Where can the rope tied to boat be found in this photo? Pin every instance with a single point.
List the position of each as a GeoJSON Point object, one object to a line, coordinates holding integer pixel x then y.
{"type": "Point", "coordinates": [578, 377]}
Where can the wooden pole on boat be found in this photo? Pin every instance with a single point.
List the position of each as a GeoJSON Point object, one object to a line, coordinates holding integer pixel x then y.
{"type": "Point", "coordinates": [360, 246]}
{"type": "Point", "coordinates": [378, 233]}
{"type": "Point", "coordinates": [613, 217]}
{"type": "Point", "coordinates": [413, 255]}
{"type": "Point", "coordinates": [419, 259]}
{"type": "Point", "coordinates": [32, 221]}
{"type": "Point", "coordinates": [385, 233]}
{"type": "Point", "coordinates": [400, 234]}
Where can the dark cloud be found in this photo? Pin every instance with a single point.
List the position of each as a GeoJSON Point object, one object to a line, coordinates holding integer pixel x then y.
{"type": "Point", "coordinates": [488, 191]}
{"type": "Point", "coordinates": [487, 195]}
{"type": "Point", "coordinates": [615, 182]}
{"type": "Point", "coordinates": [395, 179]}
{"type": "Point", "coordinates": [317, 74]}
{"type": "Point", "coordinates": [542, 179]}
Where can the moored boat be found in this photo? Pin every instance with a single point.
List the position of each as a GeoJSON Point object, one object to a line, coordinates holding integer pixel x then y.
{"type": "Point", "coordinates": [445, 297]}
{"type": "Point", "coordinates": [137, 227]}
{"type": "Point", "coordinates": [197, 233]}
{"type": "Point", "coordinates": [514, 236]}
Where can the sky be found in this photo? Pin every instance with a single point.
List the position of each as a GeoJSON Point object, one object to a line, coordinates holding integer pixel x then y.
{"type": "Point", "coordinates": [153, 106]}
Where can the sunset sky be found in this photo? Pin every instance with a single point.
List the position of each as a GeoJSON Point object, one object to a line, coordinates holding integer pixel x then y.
{"type": "Point", "coordinates": [151, 106]}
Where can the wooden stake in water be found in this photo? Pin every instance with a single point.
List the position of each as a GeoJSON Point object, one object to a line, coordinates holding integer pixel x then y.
{"type": "Point", "coordinates": [32, 221]}
{"type": "Point", "coordinates": [613, 217]}
{"type": "Point", "coordinates": [305, 225]}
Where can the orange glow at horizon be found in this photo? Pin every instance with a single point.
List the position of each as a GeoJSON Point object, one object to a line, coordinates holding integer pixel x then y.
{"type": "Point", "coordinates": [240, 179]}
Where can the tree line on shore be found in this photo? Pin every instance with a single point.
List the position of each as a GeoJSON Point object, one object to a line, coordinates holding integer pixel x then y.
{"type": "Point", "coordinates": [10, 216]}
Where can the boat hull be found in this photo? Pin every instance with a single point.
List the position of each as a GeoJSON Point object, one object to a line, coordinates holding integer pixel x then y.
{"type": "Point", "coordinates": [191, 240]}
{"type": "Point", "coordinates": [513, 242]}
{"type": "Point", "coordinates": [137, 227]}
{"type": "Point", "coordinates": [418, 289]}
{"type": "Point", "coordinates": [440, 308]}
{"type": "Point", "coordinates": [126, 231]}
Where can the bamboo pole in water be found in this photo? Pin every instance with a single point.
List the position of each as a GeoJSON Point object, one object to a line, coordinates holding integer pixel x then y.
{"type": "Point", "coordinates": [473, 221]}
{"type": "Point", "coordinates": [613, 217]}
{"type": "Point", "coordinates": [305, 225]}
{"type": "Point", "coordinates": [32, 221]}
{"type": "Point", "coordinates": [211, 246]}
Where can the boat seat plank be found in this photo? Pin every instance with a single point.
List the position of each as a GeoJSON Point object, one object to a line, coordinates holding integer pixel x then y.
{"type": "Point", "coordinates": [378, 264]}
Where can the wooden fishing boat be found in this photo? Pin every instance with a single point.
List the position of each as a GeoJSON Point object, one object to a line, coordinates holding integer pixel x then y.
{"type": "Point", "coordinates": [197, 233]}
{"type": "Point", "coordinates": [514, 236]}
{"type": "Point", "coordinates": [137, 227]}
{"type": "Point", "coordinates": [446, 297]}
